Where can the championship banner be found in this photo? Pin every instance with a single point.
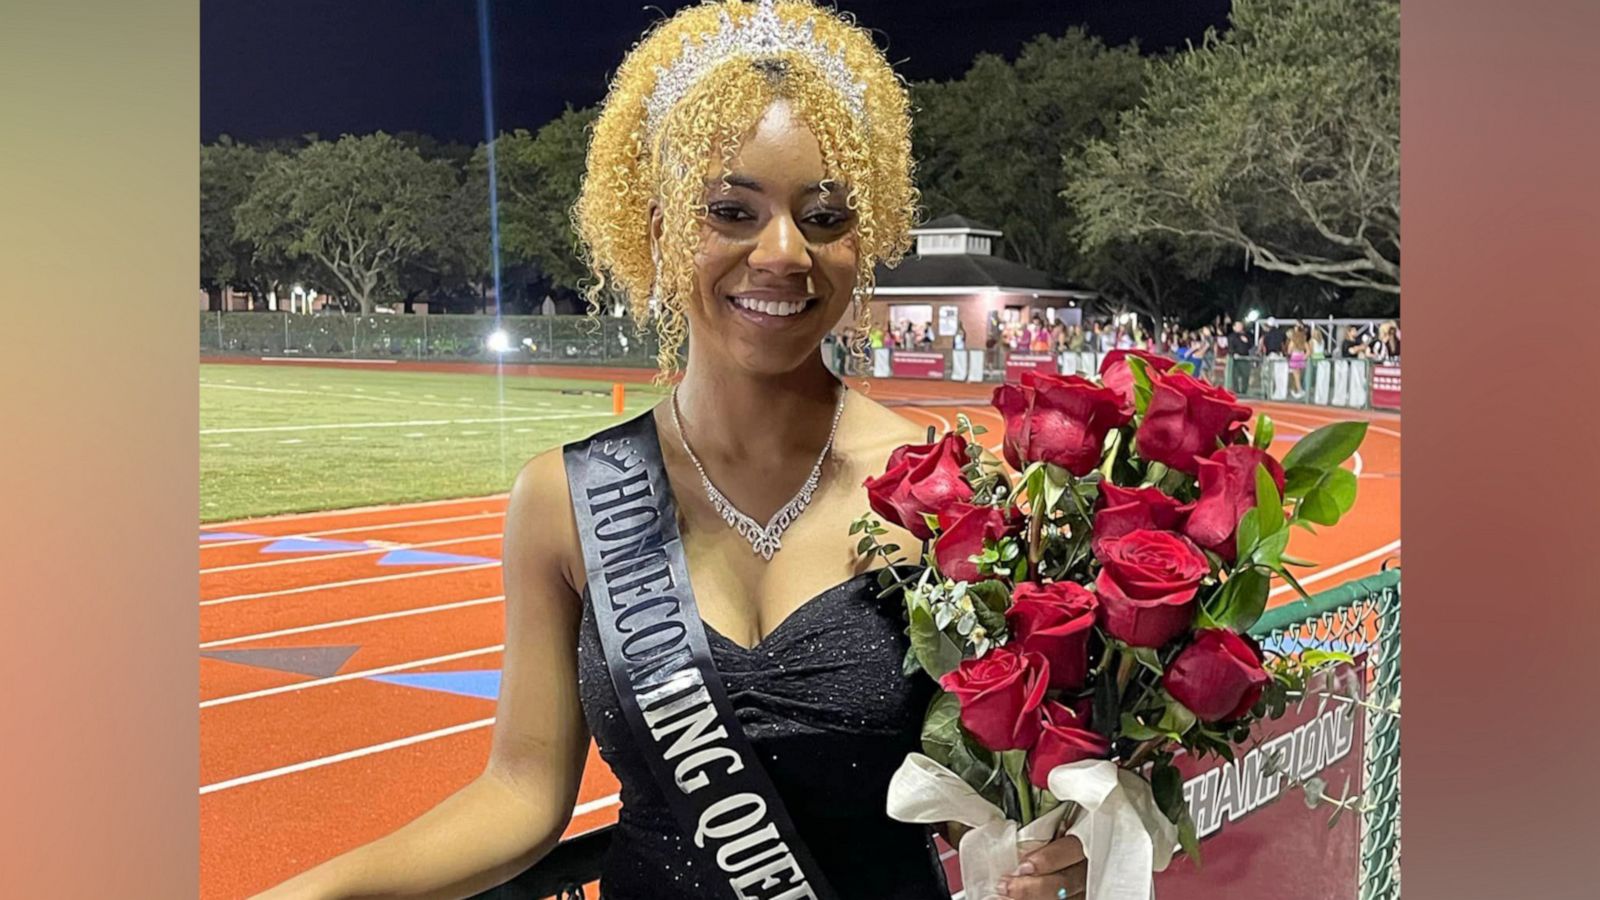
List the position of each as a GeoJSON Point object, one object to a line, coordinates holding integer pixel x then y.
{"type": "Point", "coordinates": [1017, 363]}
{"type": "Point", "coordinates": [914, 364]}
{"type": "Point", "coordinates": [1258, 838]}
{"type": "Point", "coordinates": [1386, 386]}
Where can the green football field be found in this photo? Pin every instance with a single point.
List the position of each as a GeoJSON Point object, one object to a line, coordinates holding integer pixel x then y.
{"type": "Point", "coordinates": [280, 439]}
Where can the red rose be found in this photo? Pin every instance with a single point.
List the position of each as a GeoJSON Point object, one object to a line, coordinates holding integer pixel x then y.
{"type": "Point", "coordinates": [1064, 737]}
{"type": "Point", "coordinates": [1218, 677]}
{"type": "Point", "coordinates": [1227, 492]}
{"type": "Point", "coordinates": [962, 530]}
{"type": "Point", "coordinates": [920, 479]}
{"type": "Point", "coordinates": [1185, 419]}
{"type": "Point", "coordinates": [1054, 620]}
{"type": "Point", "coordinates": [1147, 585]}
{"type": "Point", "coordinates": [1115, 374]}
{"type": "Point", "coordinates": [1000, 695]}
{"type": "Point", "coordinates": [1058, 419]}
{"type": "Point", "coordinates": [1121, 510]}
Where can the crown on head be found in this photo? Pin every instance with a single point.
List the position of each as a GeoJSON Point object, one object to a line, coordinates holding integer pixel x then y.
{"type": "Point", "coordinates": [762, 36]}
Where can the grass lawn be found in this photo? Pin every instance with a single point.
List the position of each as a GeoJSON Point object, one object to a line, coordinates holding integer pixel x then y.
{"type": "Point", "coordinates": [279, 439]}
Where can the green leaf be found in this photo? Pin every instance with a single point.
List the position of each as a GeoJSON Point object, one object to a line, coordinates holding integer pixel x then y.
{"type": "Point", "coordinates": [1262, 439]}
{"type": "Point", "coordinates": [1247, 535]}
{"type": "Point", "coordinates": [863, 545]}
{"type": "Point", "coordinates": [1288, 560]}
{"type": "Point", "coordinates": [1188, 839]}
{"type": "Point", "coordinates": [1341, 485]}
{"type": "Point", "coordinates": [1269, 506]}
{"type": "Point", "coordinates": [1242, 600]}
{"type": "Point", "coordinates": [1142, 386]}
{"type": "Point", "coordinates": [1293, 581]}
{"type": "Point", "coordinates": [1300, 479]}
{"type": "Point", "coordinates": [1137, 730]}
{"type": "Point", "coordinates": [1320, 507]}
{"type": "Point", "coordinates": [1317, 657]}
{"type": "Point", "coordinates": [938, 654]}
{"type": "Point", "coordinates": [1269, 552]}
{"type": "Point", "coordinates": [1147, 657]}
{"type": "Point", "coordinates": [932, 521]}
{"type": "Point", "coordinates": [857, 525]}
{"type": "Point", "coordinates": [1177, 719]}
{"type": "Point", "coordinates": [1186, 368]}
{"type": "Point", "coordinates": [1328, 446]}
{"type": "Point", "coordinates": [941, 731]}
{"type": "Point", "coordinates": [993, 594]}
{"type": "Point", "coordinates": [1166, 784]}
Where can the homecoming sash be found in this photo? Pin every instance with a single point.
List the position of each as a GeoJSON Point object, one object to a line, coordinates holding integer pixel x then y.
{"type": "Point", "coordinates": [661, 668]}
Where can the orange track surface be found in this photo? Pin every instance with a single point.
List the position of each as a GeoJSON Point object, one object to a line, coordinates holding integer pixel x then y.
{"type": "Point", "coordinates": [296, 769]}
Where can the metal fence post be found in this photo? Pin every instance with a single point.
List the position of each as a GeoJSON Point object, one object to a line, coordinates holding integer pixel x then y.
{"type": "Point", "coordinates": [1380, 825]}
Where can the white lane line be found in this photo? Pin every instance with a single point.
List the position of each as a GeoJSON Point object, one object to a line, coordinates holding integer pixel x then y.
{"type": "Point", "coordinates": [413, 423]}
{"type": "Point", "coordinates": [1331, 571]}
{"type": "Point", "coordinates": [361, 620]}
{"type": "Point", "coordinates": [352, 511]}
{"type": "Point", "coordinates": [327, 531]}
{"type": "Point", "coordinates": [328, 359]}
{"type": "Point", "coordinates": [341, 757]}
{"type": "Point", "coordinates": [331, 585]}
{"type": "Point", "coordinates": [349, 676]}
{"type": "Point", "coordinates": [345, 554]}
{"type": "Point", "coordinates": [597, 803]}
{"type": "Point", "coordinates": [1275, 412]}
{"type": "Point", "coordinates": [292, 441]}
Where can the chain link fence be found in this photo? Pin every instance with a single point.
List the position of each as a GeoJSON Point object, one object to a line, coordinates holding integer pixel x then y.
{"type": "Point", "coordinates": [1360, 617]}
{"type": "Point", "coordinates": [527, 339]}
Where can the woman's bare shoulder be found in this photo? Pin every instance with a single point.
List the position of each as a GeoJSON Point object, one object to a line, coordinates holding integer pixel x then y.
{"type": "Point", "coordinates": [877, 430]}
{"type": "Point", "coordinates": [540, 512]}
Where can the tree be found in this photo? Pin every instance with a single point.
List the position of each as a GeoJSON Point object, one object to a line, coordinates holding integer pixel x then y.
{"type": "Point", "coordinates": [361, 207]}
{"type": "Point", "coordinates": [538, 176]}
{"type": "Point", "coordinates": [227, 170]}
{"type": "Point", "coordinates": [990, 145]}
{"type": "Point", "coordinates": [1280, 139]}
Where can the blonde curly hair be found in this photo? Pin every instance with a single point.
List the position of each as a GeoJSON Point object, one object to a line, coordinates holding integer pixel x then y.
{"type": "Point", "coordinates": [628, 166]}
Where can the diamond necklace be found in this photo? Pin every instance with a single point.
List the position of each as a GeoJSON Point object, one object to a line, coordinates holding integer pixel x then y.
{"type": "Point", "coordinates": [764, 540]}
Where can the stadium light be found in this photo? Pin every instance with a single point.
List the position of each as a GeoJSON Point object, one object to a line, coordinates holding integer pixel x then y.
{"type": "Point", "coordinates": [1252, 315]}
{"type": "Point", "coordinates": [499, 341]}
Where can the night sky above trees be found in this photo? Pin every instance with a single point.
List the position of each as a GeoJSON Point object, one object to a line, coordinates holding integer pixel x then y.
{"type": "Point", "coordinates": [291, 67]}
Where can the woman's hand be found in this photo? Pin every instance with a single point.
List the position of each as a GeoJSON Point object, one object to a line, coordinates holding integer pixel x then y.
{"type": "Point", "coordinates": [1056, 870]}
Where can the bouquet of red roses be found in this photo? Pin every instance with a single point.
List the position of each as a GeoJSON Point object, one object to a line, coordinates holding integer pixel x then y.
{"type": "Point", "coordinates": [1085, 612]}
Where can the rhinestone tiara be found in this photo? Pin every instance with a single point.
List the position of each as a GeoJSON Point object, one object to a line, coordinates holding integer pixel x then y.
{"type": "Point", "coordinates": [762, 36]}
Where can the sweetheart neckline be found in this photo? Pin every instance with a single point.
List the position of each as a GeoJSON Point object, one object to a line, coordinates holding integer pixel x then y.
{"type": "Point", "coordinates": [711, 630]}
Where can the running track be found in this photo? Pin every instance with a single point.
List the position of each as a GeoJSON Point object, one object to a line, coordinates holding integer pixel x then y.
{"type": "Point", "coordinates": [298, 766]}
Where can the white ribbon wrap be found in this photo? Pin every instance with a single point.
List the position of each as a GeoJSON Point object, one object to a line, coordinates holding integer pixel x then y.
{"type": "Point", "coordinates": [1125, 836]}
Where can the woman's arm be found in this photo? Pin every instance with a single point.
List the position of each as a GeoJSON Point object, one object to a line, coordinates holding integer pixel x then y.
{"type": "Point", "coordinates": [512, 814]}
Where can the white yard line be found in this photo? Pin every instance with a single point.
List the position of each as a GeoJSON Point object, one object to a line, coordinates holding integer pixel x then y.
{"type": "Point", "coordinates": [325, 532]}
{"type": "Point", "coordinates": [318, 557]}
{"type": "Point", "coordinates": [360, 620]}
{"type": "Point", "coordinates": [330, 585]}
{"type": "Point", "coordinates": [1331, 571]}
{"type": "Point", "coordinates": [328, 391]}
{"type": "Point", "coordinates": [341, 757]}
{"type": "Point", "coordinates": [413, 423]}
{"type": "Point", "coordinates": [349, 676]}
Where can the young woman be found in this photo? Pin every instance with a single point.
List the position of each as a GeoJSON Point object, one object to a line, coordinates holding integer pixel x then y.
{"type": "Point", "coordinates": [750, 195]}
{"type": "Point", "coordinates": [1298, 352]}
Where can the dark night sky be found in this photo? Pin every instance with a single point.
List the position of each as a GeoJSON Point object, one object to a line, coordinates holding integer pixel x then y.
{"type": "Point", "coordinates": [286, 67]}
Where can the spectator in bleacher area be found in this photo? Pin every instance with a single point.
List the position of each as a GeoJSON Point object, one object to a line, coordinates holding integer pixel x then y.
{"type": "Point", "coordinates": [1387, 347]}
{"type": "Point", "coordinates": [1058, 336]}
{"type": "Point", "coordinates": [1036, 337]}
{"type": "Point", "coordinates": [1298, 349]}
{"type": "Point", "coordinates": [1240, 349]}
{"type": "Point", "coordinates": [1204, 351]}
{"type": "Point", "coordinates": [1075, 339]}
{"type": "Point", "coordinates": [875, 337]}
{"type": "Point", "coordinates": [1319, 348]}
{"type": "Point", "coordinates": [1273, 342]}
{"type": "Point", "coordinates": [1352, 347]}
{"type": "Point", "coordinates": [925, 335]}
{"type": "Point", "coordinates": [960, 339]}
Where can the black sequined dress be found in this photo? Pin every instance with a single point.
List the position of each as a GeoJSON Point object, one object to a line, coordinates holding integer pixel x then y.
{"type": "Point", "coordinates": [831, 717]}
